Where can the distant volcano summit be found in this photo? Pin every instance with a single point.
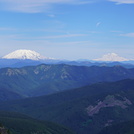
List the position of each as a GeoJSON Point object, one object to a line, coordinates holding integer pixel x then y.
{"type": "Point", "coordinates": [111, 57]}
{"type": "Point", "coordinates": [24, 54]}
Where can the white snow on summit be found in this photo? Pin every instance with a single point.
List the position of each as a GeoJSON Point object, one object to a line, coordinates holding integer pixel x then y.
{"type": "Point", "coordinates": [111, 57]}
{"type": "Point", "coordinates": [25, 54]}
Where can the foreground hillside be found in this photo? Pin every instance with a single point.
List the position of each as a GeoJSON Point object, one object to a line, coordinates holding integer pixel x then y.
{"type": "Point", "coordinates": [121, 128]}
{"type": "Point", "coordinates": [46, 79]}
{"type": "Point", "coordinates": [21, 124]}
{"type": "Point", "coordinates": [85, 110]}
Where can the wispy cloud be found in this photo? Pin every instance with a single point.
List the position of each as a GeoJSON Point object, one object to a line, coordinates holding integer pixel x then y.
{"type": "Point", "coordinates": [98, 24]}
{"type": "Point", "coordinates": [115, 31]}
{"type": "Point", "coordinates": [62, 36]}
{"type": "Point", "coordinates": [24, 37]}
{"type": "Point", "coordinates": [94, 32]}
{"type": "Point", "coordinates": [35, 6]}
{"type": "Point", "coordinates": [51, 15]}
{"type": "Point", "coordinates": [7, 29]}
{"type": "Point", "coordinates": [10, 37]}
{"type": "Point", "coordinates": [123, 1]}
{"type": "Point", "coordinates": [128, 35]}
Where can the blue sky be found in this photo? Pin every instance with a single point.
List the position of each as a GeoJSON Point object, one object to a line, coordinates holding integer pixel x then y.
{"type": "Point", "coordinates": [68, 29]}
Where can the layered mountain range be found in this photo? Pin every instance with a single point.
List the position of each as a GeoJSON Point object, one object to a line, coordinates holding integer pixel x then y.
{"type": "Point", "coordinates": [46, 79]}
{"type": "Point", "coordinates": [23, 57]}
{"type": "Point", "coordinates": [86, 97]}
{"type": "Point", "coordinates": [89, 110]}
{"type": "Point", "coordinates": [24, 54]}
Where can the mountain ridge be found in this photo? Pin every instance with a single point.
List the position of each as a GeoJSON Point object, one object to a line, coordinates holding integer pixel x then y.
{"type": "Point", "coordinates": [47, 79]}
{"type": "Point", "coordinates": [111, 57]}
{"type": "Point", "coordinates": [23, 57]}
{"type": "Point", "coordinates": [25, 54]}
{"type": "Point", "coordinates": [71, 108]}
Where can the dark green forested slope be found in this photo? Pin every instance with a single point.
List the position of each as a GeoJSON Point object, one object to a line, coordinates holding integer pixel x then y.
{"type": "Point", "coordinates": [6, 94]}
{"type": "Point", "coordinates": [121, 128]}
{"type": "Point", "coordinates": [85, 110]}
{"type": "Point", "coordinates": [21, 124]}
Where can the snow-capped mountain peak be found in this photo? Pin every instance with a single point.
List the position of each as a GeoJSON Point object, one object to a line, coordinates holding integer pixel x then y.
{"type": "Point", "coordinates": [111, 57]}
{"type": "Point", "coordinates": [25, 54]}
